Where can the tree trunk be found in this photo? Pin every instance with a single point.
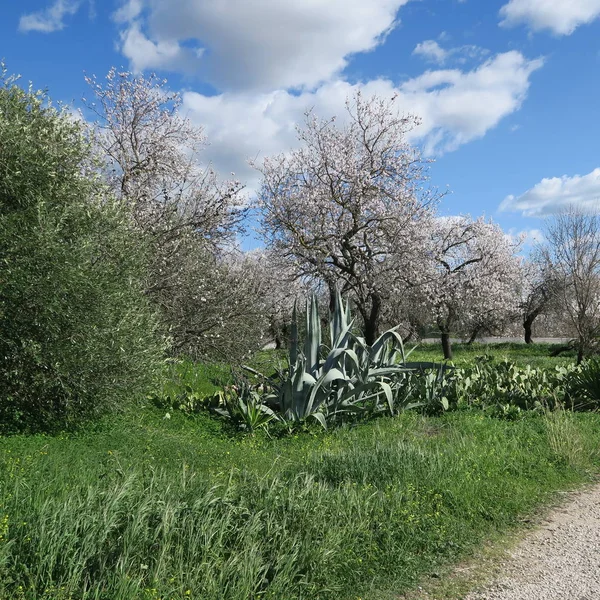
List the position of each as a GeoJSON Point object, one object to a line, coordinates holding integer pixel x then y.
{"type": "Point", "coordinates": [579, 353]}
{"type": "Point", "coordinates": [474, 335]}
{"type": "Point", "coordinates": [371, 320]}
{"type": "Point", "coordinates": [446, 346]}
{"type": "Point", "coordinates": [409, 336]}
{"type": "Point", "coordinates": [332, 287]}
{"type": "Point", "coordinates": [527, 325]}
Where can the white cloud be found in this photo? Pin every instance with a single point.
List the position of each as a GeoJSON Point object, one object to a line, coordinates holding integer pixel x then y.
{"type": "Point", "coordinates": [534, 236]}
{"type": "Point", "coordinates": [431, 51]}
{"type": "Point", "coordinates": [249, 45]}
{"type": "Point", "coordinates": [455, 106]}
{"type": "Point", "coordinates": [146, 54]}
{"type": "Point", "coordinates": [128, 11]}
{"type": "Point", "coordinates": [460, 106]}
{"type": "Point", "coordinates": [551, 195]}
{"type": "Point", "coordinates": [561, 17]}
{"type": "Point", "coordinates": [51, 19]}
{"type": "Point", "coordinates": [531, 237]}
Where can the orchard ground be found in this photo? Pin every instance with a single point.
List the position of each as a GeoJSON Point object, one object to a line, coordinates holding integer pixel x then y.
{"type": "Point", "coordinates": [148, 505]}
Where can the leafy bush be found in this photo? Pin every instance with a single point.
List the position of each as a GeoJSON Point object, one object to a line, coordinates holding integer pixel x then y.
{"type": "Point", "coordinates": [506, 388]}
{"type": "Point", "coordinates": [584, 386]}
{"type": "Point", "coordinates": [77, 335]}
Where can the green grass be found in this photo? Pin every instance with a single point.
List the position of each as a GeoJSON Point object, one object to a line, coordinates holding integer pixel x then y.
{"type": "Point", "coordinates": [536, 355]}
{"type": "Point", "coordinates": [145, 507]}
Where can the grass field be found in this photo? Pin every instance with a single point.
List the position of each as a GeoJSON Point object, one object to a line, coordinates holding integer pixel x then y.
{"type": "Point", "coordinates": [536, 355]}
{"type": "Point", "coordinates": [142, 506]}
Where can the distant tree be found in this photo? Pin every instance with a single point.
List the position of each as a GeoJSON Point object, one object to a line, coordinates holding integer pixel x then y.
{"type": "Point", "coordinates": [222, 309]}
{"type": "Point", "coordinates": [572, 251]}
{"type": "Point", "coordinates": [281, 290]}
{"type": "Point", "coordinates": [77, 335]}
{"type": "Point", "coordinates": [470, 277]}
{"type": "Point", "coordinates": [539, 290]}
{"type": "Point", "coordinates": [347, 207]}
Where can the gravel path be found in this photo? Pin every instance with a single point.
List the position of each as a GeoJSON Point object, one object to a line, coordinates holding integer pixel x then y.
{"type": "Point", "coordinates": [558, 561]}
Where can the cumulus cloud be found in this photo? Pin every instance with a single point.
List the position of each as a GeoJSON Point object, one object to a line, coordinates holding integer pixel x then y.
{"type": "Point", "coordinates": [561, 17]}
{"type": "Point", "coordinates": [455, 107]}
{"type": "Point", "coordinates": [129, 11]}
{"type": "Point", "coordinates": [236, 44]}
{"type": "Point", "coordinates": [530, 237]}
{"type": "Point", "coordinates": [167, 55]}
{"type": "Point", "coordinates": [51, 19]}
{"type": "Point", "coordinates": [551, 195]}
{"type": "Point", "coordinates": [459, 106]}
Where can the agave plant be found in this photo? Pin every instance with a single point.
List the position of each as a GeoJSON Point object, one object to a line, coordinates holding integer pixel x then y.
{"type": "Point", "coordinates": [244, 406]}
{"type": "Point", "coordinates": [347, 377]}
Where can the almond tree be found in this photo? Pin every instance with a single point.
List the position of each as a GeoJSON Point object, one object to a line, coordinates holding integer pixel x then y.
{"type": "Point", "coordinates": [282, 290]}
{"type": "Point", "coordinates": [348, 205]}
{"type": "Point", "coordinates": [190, 216]}
{"type": "Point", "coordinates": [470, 277]}
{"type": "Point", "coordinates": [539, 290]}
{"type": "Point", "coordinates": [221, 310]}
{"type": "Point", "coordinates": [152, 160]}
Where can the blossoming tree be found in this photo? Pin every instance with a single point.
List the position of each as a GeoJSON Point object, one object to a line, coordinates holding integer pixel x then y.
{"type": "Point", "coordinates": [348, 205]}
{"type": "Point", "coordinates": [470, 278]}
{"type": "Point", "coordinates": [152, 159]}
{"type": "Point", "coordinates": [572, 251]}
{"type": "Point", "coordinates": [190, 217]}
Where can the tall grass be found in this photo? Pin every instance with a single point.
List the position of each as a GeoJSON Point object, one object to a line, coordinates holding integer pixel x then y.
{"type": "Point", "coordinates": [150, 508]}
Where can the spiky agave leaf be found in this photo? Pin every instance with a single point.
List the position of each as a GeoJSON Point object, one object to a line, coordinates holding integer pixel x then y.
{"type": "Point", "coordinates": [312, 341]}
{"type": "Point", "coordinates": [294, 337]}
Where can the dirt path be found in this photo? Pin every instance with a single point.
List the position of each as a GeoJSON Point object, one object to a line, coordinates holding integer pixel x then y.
{"type": "Point", "coordinates": [560, 560]}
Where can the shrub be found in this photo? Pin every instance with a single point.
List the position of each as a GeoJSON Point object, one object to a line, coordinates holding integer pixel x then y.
{"type": "Point", "coordinates": [584, 386]}
{"type": "Point", "coordinates": [505, 387]}
{"type": "Point", "coordinates": [77, 336]}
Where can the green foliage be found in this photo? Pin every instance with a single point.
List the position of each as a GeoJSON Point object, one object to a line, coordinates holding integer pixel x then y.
{"type": "Point", "coordinates": [185, 384]}
{"type": "Point", "coordinates": [243, 405]}
{"type": "Point", "coordinates": [570, 447]}
{"type": "Point", "coordinates": [431, 388]}
{"type": "Point", "coordinates": [507, 389]}
{"type": "Point", "coordinates": [142, 508]}
{"type": "Point", "coordinates": [535, 355]}
{"type": "Point", "coordinates": [584, 386]}
{"type": "Point", "coordinates": [77, 336]}
{"type": "Point", "coordinates": [42, 150]}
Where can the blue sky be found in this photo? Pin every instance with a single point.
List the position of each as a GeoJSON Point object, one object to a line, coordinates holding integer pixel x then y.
{"type": "Point", "coordinates": [508, 90]}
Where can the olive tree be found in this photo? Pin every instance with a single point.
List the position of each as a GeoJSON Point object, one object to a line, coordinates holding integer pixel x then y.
{"type": "Point", "coordinates": [77, 336]}
{"type": "Point", "coordinates": [347, 206]}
